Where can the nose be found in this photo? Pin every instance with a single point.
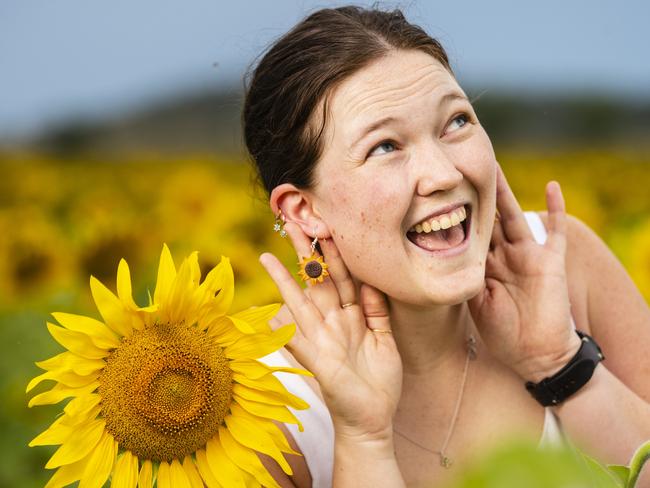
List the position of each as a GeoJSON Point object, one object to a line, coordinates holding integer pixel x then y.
{"type": "Point", "coordinates": [435, 169]}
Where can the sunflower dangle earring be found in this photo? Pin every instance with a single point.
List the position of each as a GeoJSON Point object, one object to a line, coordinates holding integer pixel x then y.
{"type": "Point", "coordinates": [313, 268]}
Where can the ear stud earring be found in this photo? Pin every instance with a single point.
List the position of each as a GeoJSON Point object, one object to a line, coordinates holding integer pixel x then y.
{"type": "Point", "coordinates": [278, 226]}
{"type": "Point", "coordinates": [313, 268]}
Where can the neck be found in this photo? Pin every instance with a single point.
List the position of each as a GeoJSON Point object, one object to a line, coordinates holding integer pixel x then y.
{"type": "Point", "coordinates": [428, 338]}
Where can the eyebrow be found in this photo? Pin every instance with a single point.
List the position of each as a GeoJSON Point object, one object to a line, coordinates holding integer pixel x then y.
{"type": "Point", "coordinates": [378, 124]}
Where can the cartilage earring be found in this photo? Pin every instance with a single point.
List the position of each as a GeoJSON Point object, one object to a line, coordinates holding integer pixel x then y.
{"type": "Point", "coordinates": [278, 226]}
{"type": "Point", "coordinates": [313, 268]}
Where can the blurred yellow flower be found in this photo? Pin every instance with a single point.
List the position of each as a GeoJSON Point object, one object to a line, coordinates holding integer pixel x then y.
{"type": "Point", "coordinates": [31, 261]}
{"type": "Point", "coordinates": [633, 249]}
{"type": "Point", "coordinates": [171, 392]}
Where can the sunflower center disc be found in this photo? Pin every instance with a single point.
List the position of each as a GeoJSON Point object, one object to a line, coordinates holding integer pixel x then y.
{"type": "Point", "coordinates": [313, 269]}
{"type": "Point", "coordinates": [165, 390]}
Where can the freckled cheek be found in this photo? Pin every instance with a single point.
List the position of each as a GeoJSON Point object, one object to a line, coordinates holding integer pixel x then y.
{"type": "Point", "coordinates": [361, 214]}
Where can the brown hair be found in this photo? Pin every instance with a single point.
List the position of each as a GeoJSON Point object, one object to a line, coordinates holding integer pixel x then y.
{"type": "Point", "coordinates": [301, 69]}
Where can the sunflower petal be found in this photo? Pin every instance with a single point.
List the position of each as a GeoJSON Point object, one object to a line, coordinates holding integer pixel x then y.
{"type": "Point", "coordinates": [178, 476]}
{"type": "Point", "coordinates": [124, 289]}
{"type": "Point", "coordinates": [257, 345]}
{"type": "Point", "coordinates": [82, 405]}
{"type": "Point", "coordinates": [274, 432]}
{"type": "Point", "coordinates": [191, 472]}
{"type": "Point", "coordinates": [67, 474]}
{"type": "Point", "coordinates": [55, 434]}
{"type": "Point", "coordinates": [226, 472]}
{"type": "Point", "coordinates": [164, 475]}
{"type": "Point", "coordinates": [100, 463]}
{"type": "Point", "coordinates": [245, 458]}
{"type": "Point", "coordinates": [256, 369]}
{"type": "Point", "coordinates": [242, 325]}
{"type": "Point", "coordinates": [268, 389]}
{"type": "Point", "coordinates": [78, 445]}
{"type": "Point", "coordinates": [248, 434]}
{"type": "Point", "coordinates": [145, 478]}
{"type": "Point", "coordinates": [71, 362]}
{"type": "Point", "coordinates": [60, 392]}
{"type": "Point", "coordinates": [67, 378]}
{"type": "Point", "coordinates": [166, 276]}
{"type": "Point", "coordinates": [204, 469]}
{"type": "Point", "coordinates": [101, 335]}
{"type": "Point", "coordinates": [258, 317]}
{"type": "Point", "coordinates": [112, 310]}
{"type": "Point", "coordinates": [222, 280]}
{"type": "Point", "coordinates": [80, 410]}
{"type": "Point", "coordinates": [76, 342]}
{"type": "Point", "coordinates": [126, 471]}
{"type": "Point", "coordinates": [223, 331]}
{"type": "Point", "coordinates": [180, 304]}
{"type": "Point", "coordinates": [275, 412]}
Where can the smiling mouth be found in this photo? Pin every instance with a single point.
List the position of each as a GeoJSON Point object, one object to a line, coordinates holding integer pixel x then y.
{"type": "Point", "coordinates": [441, 239]}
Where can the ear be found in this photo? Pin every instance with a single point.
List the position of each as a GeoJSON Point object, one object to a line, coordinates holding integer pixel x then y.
{"type": "Point", "coordinates": [297, 206]}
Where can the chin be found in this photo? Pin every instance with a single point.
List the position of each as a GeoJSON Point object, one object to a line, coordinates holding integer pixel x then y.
{"type": "Point", "coordinates": [461, 290]}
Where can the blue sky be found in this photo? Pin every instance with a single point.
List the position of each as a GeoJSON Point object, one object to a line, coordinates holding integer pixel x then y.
{"type": "Point", "coordinates": [68, 58]}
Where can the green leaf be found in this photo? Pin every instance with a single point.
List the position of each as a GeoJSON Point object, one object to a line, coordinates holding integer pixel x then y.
{"type": "Point", "coordinates": [623, 472]}
{"type": "Point", "coordinates": [605, 476]}
{"type": "Point", "coordinates": [516, 464]}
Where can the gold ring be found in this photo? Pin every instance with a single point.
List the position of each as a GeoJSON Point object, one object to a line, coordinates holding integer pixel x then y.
{"type": "Point", "coordinates": [382, 331]}
{"type": "Point", "coordinates": [346, 305]}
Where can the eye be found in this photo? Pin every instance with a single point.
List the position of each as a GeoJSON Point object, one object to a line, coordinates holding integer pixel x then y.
{"type": "Point", "coordinates": [459, 121]}
{"type": "Point", "coordinates": [388, 146]}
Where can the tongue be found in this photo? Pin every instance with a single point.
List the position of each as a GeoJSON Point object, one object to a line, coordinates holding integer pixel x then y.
{"type": "Point", "coordinates": [440, 239]}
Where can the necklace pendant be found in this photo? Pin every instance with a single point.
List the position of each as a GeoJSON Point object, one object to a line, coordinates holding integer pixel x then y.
{"type": "Point", "coordinates": [471, 347]}
{"type": "Point", "coordinates": [445, 462]}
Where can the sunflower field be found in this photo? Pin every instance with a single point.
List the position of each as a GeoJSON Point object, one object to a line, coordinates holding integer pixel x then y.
{"type": "Point", "coordinates": [62, 221]}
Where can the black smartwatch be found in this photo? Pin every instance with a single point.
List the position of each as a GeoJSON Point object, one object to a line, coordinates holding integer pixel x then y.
{"type": "Point", "coordinates": [573, 376]}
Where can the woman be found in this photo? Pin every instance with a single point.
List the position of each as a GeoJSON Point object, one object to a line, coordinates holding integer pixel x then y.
{"type": "Point", "coordinates": [422, 340]}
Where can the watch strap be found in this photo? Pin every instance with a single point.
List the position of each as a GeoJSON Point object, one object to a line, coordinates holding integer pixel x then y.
{"type": "Point", "coordinates": [574, 375]}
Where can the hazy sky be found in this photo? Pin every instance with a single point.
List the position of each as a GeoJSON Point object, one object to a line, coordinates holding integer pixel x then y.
{"type": "Point", "coordinates": [62, 58]}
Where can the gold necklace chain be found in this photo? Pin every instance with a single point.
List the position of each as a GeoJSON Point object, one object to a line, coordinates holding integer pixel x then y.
{"type": "Point", "coordinates": [445, 461]}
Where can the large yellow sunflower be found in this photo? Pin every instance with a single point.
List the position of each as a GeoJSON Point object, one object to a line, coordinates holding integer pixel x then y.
{"type": "Point", "coordinates": [171, 393]}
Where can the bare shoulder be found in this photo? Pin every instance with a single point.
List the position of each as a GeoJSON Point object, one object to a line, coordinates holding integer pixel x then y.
{"type": "Point", "coordinates": [617, 315]}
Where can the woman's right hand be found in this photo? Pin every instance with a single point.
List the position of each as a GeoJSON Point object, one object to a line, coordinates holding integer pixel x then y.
{"type": "Point", "coordinates": [359, 371]}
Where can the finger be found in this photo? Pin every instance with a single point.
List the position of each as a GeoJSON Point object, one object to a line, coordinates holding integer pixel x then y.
{"type": "Point", "coordinates": [497, 238]}
{"type": "Point", "coordinates": [513, 221]}
{"type": "Point", "coordinates": [301, 242]}
{"type": "Point", "coordinates": [339, 272]}
{"type": "Point", "coordinates": [324, 295]}
{"type": "Point", "coordinates": [375, 309]}
{"type": "Point", "coordinates": [557, 219]}
{"type": "Point", "coordinates": [305, 313]}
{"type": "Point", "coordinates": [303, 350]}
{"type": "Point", "coordinates": [495, 266]}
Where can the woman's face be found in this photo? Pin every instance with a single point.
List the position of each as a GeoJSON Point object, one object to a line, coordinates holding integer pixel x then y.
{"type": "Point", "coordinates": [425, 150]}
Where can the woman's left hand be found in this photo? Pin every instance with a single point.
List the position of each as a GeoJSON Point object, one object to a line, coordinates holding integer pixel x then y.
{"type": "Point", "coordinates": [523, 312]}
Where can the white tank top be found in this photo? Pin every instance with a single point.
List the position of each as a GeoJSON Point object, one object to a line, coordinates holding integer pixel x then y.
{"type": "Point", "coordinates": [316, 442]}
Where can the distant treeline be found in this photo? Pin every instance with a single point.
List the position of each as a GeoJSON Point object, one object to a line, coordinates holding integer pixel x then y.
{"type": "Point", "coordinates": [210, 122]}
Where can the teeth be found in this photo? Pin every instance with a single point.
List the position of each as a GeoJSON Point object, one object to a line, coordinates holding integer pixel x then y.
{"type": "Point", "coordinates": [441, 222]}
